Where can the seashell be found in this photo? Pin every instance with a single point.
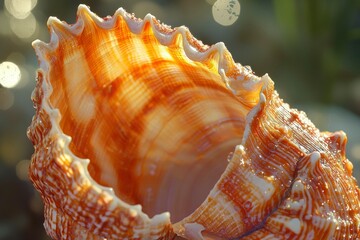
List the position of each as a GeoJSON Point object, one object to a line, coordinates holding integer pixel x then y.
{"type": "Point", "coordinates": [143, 132]}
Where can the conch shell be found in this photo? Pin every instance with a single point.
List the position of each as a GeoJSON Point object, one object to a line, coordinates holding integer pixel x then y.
{"type": "Point", "coordinates": [143, 132]}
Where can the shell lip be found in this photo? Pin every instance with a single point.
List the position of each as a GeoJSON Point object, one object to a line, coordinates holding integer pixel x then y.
{"type": "Point", "coordinates": [193, 48]}
{"type": "Point", "coordinates": [236, 77]}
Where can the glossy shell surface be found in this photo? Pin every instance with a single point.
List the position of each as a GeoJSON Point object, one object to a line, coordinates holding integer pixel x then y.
{"type": "Point", "coordinates": [143, 132]}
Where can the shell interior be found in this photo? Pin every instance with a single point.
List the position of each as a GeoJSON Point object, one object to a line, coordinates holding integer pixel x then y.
{"type": "Point", "coordinates": [135, 120]}
{"type": "Point", "coordinates": [156, 125]}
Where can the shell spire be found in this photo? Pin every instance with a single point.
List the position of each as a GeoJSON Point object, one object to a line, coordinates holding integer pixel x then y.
{"type": "Point", "coordinates": [143, 132]}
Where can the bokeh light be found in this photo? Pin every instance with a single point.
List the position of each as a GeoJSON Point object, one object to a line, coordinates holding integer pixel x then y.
{"type": "Point", "coordinates": [20, 9]}
{"type": "Point", "coordinates": [24, 28]}
{"type": "Point", "coordinates": [9, 74]}
{"type": "Point", "coordinates": [226, 12]}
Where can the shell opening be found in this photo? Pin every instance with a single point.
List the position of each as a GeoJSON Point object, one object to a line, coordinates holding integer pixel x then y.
{"type": "Point", "coordinates": [153, 122]}
{"type": "Point", "coordinates": [165, 149]}
{"type": "Point", "coordinates": [155, 112]}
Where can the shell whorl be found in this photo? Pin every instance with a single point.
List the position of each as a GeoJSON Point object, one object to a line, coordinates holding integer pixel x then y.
{"type": "Point", "coordinates": [110, 93]}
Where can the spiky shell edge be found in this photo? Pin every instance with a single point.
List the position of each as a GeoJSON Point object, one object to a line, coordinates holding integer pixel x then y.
{"type": "Point", "coordinates": [62, 167]}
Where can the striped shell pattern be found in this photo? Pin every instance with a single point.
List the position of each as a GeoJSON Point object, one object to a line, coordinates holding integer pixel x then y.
{"type": "Point", "coordinates": [143, 132]}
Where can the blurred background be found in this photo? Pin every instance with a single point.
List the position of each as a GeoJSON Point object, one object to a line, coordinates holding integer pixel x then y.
{"type": "Point", "coordinates": [310, 48]}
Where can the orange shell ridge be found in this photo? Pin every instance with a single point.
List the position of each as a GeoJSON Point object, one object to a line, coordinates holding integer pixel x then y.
{"type": "Point", "coordinates": [143, 132]}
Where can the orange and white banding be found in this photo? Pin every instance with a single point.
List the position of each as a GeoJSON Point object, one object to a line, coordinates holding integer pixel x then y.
{"type": "Point", "coordinates": [143, 132]}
